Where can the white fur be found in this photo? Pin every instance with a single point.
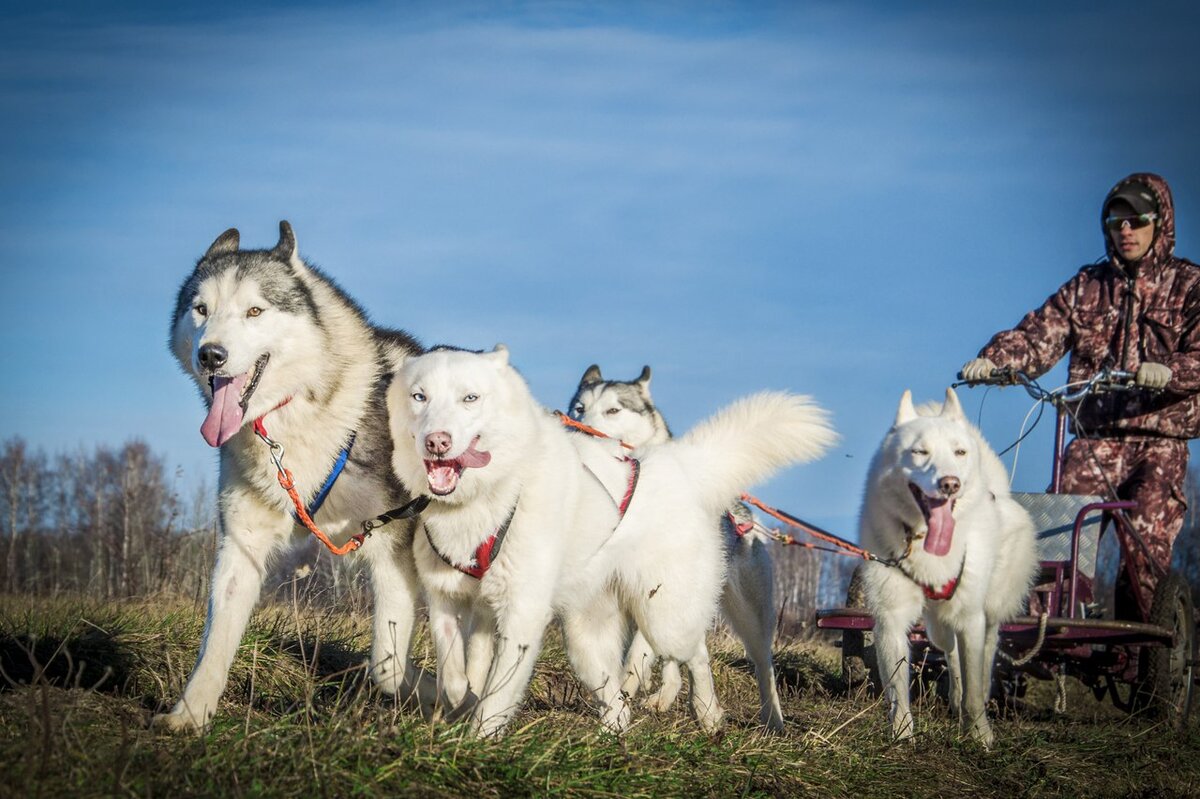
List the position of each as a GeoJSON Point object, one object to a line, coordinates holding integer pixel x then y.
{"type": "Point", "coordinates": [993, 543]}
{"type": "Point", "coordinates": [748, 596]}
{"type": "Point", "coordinates": [565, 553]}
{"type": "Point", "coordinates": [255, 512]}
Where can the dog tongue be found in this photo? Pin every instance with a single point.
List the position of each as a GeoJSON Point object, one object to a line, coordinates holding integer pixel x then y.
{"type": "Point", "coordinates": [473, 458]}
{"type": "Point", "coordinates": [226, 413]}
{"type": "Point", "coordinates": [941, 527]}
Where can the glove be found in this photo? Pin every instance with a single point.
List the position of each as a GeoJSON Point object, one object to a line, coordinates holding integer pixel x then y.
{"type": "Point", "coordinates": [977, 370]}
{"type": "Point", "coordinates": [1153, 375]}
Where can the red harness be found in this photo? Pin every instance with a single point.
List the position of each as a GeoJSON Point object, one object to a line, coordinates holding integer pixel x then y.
{"type": "Point", "coordinates": [487, 552]}
{"type": "Point", "coordinates": [739, 530]}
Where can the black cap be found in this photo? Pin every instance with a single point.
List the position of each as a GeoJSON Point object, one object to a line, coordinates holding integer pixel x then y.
{"type": "Point", "coordinates": [1139, 196]}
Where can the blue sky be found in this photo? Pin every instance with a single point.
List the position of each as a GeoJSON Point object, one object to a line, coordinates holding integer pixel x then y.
{"type": "Point", "coordinates": [843, 199]}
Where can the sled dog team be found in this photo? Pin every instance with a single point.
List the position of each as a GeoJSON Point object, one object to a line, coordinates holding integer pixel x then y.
{"type": "Point", "coordinates": [503, 519]}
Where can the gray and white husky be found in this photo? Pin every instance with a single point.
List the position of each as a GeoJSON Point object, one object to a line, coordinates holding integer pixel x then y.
{"type": "Point", "coordinates": [270, 340]}
{"type": "Point", "coordinates": [626, 411]}
{"type": "Point", "coordinates": [937, 500]}
{"type": "Point", "coordinates": [528, 520]}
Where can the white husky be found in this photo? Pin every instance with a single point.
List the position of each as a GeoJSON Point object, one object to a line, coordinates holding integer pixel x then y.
{"type": "Point", "coordinates": [626, 411]}
{"type": "Point", "coordinates": [269, 340]}
{"type": "Point", "coordinates": [529, 520]}
{"type": "Point", "coordinates": [937, 500]}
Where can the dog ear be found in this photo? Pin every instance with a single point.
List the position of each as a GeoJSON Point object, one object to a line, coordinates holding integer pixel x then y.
{"type": "Point", "coordinates": [286, 247]}
{"type": "Point", "coordinates": [906, 412]}
{"type": "Point", "coordinates": [953, 408]}
{"type": "Point", "coordinates": [498, 356]}
{"type": "Point", "coordinates": [227, 242]}
{"type": "Point", "coordinates": [643, 380]}
{"type": "Point", "coordinates": [592, 375]}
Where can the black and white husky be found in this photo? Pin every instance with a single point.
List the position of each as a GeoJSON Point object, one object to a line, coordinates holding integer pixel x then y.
{"type": "Point", "coordinates": [528, 520]}
{"type": "Point", "coordinates": [626, 411]}
{"type": "Point", "coordinates": [271, 341]}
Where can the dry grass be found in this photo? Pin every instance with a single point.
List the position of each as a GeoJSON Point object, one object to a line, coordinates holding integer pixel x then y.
{"type": "Point", "coordinates": [300, 719]}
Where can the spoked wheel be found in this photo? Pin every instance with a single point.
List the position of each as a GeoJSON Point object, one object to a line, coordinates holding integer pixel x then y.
{"type": "Point", "coordinates": [1167, 688]}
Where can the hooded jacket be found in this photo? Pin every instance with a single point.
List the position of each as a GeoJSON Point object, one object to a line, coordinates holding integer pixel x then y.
{"type": "Point", "coordinates": [1120, 315]}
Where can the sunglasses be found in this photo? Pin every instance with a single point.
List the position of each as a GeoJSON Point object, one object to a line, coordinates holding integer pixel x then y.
{"type": "Point", "coordinates": [1135, 222]}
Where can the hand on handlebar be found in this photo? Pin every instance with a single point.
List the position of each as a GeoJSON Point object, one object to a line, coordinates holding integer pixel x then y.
{"type": "Point", "coordinates": [977, 370]}
{"type": "Point", "coordinates": [1153, 375]}
{"type": "Point", "coordinates": [982, 370]}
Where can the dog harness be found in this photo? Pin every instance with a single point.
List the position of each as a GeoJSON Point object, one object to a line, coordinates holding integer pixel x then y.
{"type": "Point", "coordinates": [485, 554]}
{"type": "Point", "coordinates": [739, 530]}
{"type": "Point", "coordinates": [489, 549]}
{"type": "Point", "coordinates": [287, 482]}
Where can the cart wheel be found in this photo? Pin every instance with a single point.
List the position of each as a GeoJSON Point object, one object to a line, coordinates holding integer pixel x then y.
{"type": "Point", "coordinates": [1167, 689]}
{"type": "Point", "coordinates": [858, 646]}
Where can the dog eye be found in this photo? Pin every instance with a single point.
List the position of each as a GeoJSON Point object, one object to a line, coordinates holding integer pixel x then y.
{"type": "Point", "coordinates": [578, 409]}
{"type": "Point", "coordinates": [920, 451]}
{"type": "Point", "coordinates": [470, 398]}
{"type": "Point", "coordinates": [255, 311]}
{"type": "Point", "coordinates": [612, 411]}
{"type": "Point", "coordinates": [418, 396]}
{"type": "Point", "coordinates": [201, 309]}
{"type": "Point", "coordinates": [960, 452]}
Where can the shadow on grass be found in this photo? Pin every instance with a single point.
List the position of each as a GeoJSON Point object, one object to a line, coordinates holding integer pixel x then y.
{"type": "Point", "coordinates": [93, 659]}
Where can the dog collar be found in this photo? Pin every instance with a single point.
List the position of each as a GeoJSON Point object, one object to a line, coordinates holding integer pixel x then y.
{"type": "Point", "coordinates": [485, 554]}
{"type": "Point", "coordinates": [938, 593]}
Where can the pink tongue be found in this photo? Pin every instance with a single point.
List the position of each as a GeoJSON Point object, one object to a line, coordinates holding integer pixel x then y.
{"type": "Point", "coordinates": [941, 527]}
{"type": "Point", "coordinates": [443, 476]}
{"type": "Point", "coordinates": [226, 414]}
{"type": "Point", "coordinates": [473, 458]}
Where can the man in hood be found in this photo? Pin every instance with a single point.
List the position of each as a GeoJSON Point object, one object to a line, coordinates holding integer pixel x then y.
{"type": "Point", "coordinates": [1137, 310]}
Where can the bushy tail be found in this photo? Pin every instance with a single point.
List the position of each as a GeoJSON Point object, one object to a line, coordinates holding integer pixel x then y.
{"type": "Point", "coordinates": [748, 441]}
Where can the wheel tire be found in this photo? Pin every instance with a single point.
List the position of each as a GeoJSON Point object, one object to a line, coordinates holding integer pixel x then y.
{"type": "Point", "coordinates": [1166, 691]}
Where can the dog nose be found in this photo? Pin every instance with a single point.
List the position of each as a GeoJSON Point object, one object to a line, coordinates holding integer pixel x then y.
{"type": "Point", "coordinates": [213, 356]}
{"type": "Point", "coordinates": [949, 486]}
{"type": "Point", "coordinates": [437, 444]}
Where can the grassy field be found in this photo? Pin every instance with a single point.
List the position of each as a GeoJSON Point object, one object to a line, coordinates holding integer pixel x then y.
{"type": "Point", "coordinates": [80, 681]}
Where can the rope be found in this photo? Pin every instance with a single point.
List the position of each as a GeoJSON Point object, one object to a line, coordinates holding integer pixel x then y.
{"type": "Point", "coordinates": [288, 483]}
{"type": "Point", "coordinates": [1060, 697]}
{"type": "Point", "coordinates": [844, 547]}
{"type": "Point", "coordinates": [1037, 646]}
{"type": "Point", "coordinates": [569, 422]}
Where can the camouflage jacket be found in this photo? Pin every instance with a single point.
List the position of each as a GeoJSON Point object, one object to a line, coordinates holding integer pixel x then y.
{"type": "Point", "coordinates": [1121, 315]}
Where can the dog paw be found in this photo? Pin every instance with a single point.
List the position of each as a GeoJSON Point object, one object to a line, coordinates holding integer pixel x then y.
{"type": "Point", "coordinates": [660, 701]}
{"type": "Point", "coordinates": [712, 721]}
{"type": "Point", "coordinates": [982, 734]}
{"type": "Point", "coordinates": [177, 722]}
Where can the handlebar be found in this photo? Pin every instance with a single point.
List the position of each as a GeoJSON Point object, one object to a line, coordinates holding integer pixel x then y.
{"type": "Point", "coordinates": [1104, 380]}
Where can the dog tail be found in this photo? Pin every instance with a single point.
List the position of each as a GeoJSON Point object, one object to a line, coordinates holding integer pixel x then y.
{"type": "Point", "coordinates": [748, 441]}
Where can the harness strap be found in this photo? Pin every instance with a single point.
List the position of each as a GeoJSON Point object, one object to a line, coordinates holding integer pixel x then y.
{"type": "Point", "coordinates": [635, 471]}
{"type": "Point", "coordinates": [406, 511]}
{"type": "Point", "coordinates": [937, 594]}
{"type": "Point", "coordinates": [739, 530]}
{"type": "Point", "coordinates": [334, 474]}
{"type": "Point", "coordinates": [485, 554]}
{"type": "Point", "coordinates": [288, 483]}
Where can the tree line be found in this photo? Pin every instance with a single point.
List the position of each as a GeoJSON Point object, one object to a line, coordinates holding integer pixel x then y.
{"type": "Point", "coordinates": [111, 524]}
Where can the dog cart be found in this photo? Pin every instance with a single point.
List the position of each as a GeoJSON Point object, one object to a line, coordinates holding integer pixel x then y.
{"type": "Point", "coordinates": [1142, 663]}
